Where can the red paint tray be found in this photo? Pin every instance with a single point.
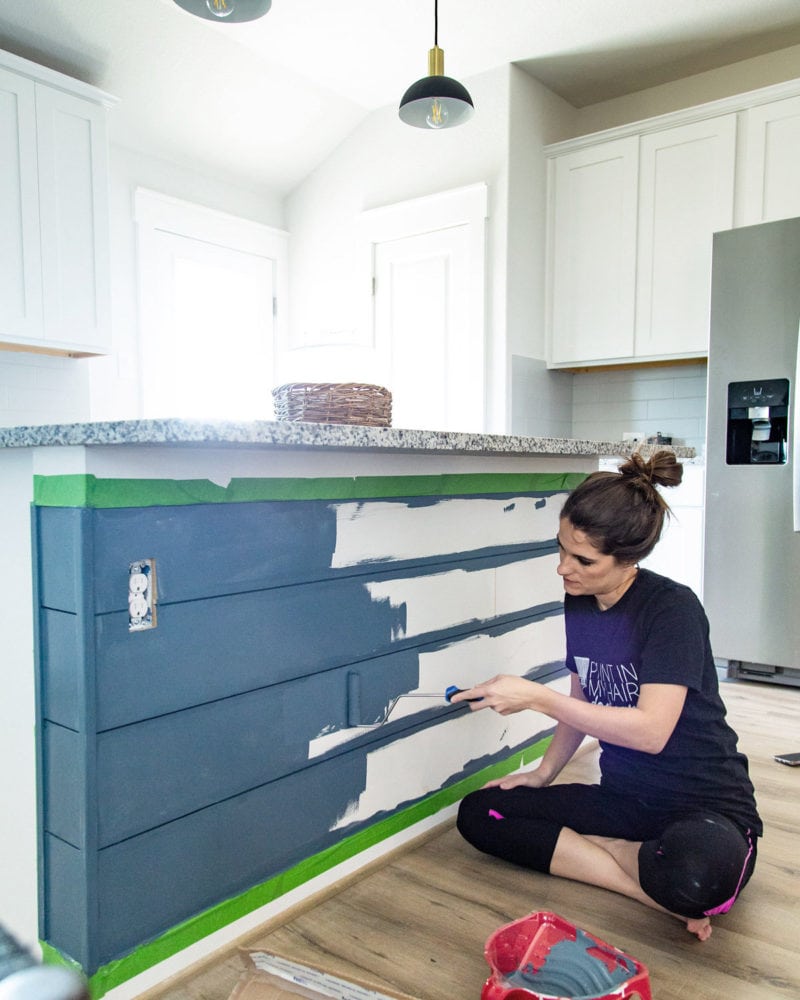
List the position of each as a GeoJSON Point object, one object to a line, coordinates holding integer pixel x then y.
{"type": "Point", "coordinates": [544, 957]}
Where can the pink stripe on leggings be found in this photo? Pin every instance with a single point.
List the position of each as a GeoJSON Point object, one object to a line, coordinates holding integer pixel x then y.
{"type": "Point", "coordinates": [724, 907]}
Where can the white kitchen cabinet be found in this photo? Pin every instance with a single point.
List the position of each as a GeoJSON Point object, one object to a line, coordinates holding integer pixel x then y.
{"type": "Point", "coordinates": [593, 248]}
{"type": "Point", "coordinates": [54, 228]}
{"type": "Point", "coordinates": [686, 189]}
{"type": "Point", "coordinates": [20, 248]}
{"type": "Point", "coordinates": [770, 154]}
{"type": "Point", "coordinates": [631, 230]}
{"type": "Point", "coordinates": [679, 553]}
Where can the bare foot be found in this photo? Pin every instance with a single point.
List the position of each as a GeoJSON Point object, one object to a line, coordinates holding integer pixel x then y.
{"type": "Point", "coordinates": [701, 928]}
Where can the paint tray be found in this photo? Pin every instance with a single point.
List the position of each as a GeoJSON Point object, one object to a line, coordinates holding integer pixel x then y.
{"type": "Point", "coordinates": [544, 957]}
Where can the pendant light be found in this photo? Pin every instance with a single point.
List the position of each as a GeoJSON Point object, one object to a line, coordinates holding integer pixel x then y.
{"type": "Point", "coordinates": [436, 101]}
{"type": "Point", "coordinates": [229, 11]}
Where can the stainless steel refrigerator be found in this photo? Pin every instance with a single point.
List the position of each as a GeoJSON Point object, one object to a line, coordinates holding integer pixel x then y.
{"type": "Point", "coordinates": [752, 516]}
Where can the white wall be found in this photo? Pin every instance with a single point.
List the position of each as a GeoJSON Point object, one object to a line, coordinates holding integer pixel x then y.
{"type": "Point", "coordinates": [114, 380]}
{"type": "Point", "coordinates": [541, 399]}
{"type": "Point", "coordinates": [40, 389]}
{"type": "Point", "coordinates": [384, 162]}
{"type": "Point", "coordinates": [535, 403]}
{"type": "Point", "coordinates": [738, 78]}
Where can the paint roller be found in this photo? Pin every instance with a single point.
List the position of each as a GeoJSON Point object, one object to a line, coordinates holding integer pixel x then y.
{"type": "Point", "coordinates": [354, 701]}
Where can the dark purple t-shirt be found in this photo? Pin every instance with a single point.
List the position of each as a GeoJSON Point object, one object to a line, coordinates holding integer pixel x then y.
{"type": "Point", "coordinates": [657, 633]}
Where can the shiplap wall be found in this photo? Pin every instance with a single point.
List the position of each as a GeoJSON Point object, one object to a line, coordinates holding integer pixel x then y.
{"type": "Point", "coordinates": [243, 737]}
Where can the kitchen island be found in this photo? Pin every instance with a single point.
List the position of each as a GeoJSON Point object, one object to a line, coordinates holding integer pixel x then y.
{"type": "Point", "coordinates": [242, 636]}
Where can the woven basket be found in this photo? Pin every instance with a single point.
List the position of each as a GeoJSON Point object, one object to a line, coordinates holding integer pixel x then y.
{"type": "Point", "coordinates": [334, 403]}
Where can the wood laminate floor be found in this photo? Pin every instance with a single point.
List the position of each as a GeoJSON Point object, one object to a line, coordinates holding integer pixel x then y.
{"type": "Point", "coordinates": [417, 921]}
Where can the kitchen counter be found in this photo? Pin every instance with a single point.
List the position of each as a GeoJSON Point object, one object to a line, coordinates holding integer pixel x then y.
{"type": "Point", "coordinates": [272, 434]}
{"type": "Point", "coordinates": [308, 575]}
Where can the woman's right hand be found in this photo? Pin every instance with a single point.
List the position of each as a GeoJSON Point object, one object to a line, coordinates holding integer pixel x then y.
{"type": "Point", "coordinates": [528, 779]}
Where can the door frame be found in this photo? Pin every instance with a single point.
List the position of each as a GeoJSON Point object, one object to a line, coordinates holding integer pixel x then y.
{"type": "Point", "coordinates": [466, 206]}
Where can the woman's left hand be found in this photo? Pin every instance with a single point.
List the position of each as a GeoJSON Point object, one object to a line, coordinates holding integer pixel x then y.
{"type": "Point", "coordinates": [505, 693]}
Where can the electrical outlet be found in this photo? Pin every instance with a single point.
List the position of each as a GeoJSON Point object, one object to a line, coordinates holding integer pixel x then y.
{"type": "Point", "coordinates": [142, 595]}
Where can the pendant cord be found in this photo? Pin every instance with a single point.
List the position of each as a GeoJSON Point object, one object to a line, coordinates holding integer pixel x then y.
{"type": "Point", "coordinates": [436, 22]}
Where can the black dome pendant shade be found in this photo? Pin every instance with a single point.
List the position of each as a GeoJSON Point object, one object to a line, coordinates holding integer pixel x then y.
{"type": "Point", "coordinates": [436, 101]}
{"type": "Point", "coordinates": [226, 11]}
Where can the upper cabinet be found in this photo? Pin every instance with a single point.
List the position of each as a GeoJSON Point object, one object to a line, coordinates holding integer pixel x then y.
{"type": "Point", "coordinates": [54, 226]}
{"type": "Point", "coordinates": [771, 152]}
{"type": "Point", "coordinates": [630, 243]}
{"type": "Point", "coordinates": [593, 251]}
{"type": "Point", "coordinates": [631, 217]}
{"type": "Point", "coordinates": [686, 178]}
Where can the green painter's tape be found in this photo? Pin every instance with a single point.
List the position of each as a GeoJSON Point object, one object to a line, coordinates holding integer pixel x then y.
{"type": "Point", "coordinates": [81, 490]}
{"type": "Point", "coordinates": [191, 931]}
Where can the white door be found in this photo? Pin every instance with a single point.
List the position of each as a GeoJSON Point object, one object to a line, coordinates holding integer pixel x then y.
{"type": "Point", "coordinates": [429, 346]}
{"type": "Point", "coordinates": [208, 331]}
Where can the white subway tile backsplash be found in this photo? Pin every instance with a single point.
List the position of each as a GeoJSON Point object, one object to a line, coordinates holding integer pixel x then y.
{"type": "Point", "coordinates": [670, 400]}
{"type": "Point", "coordinates": [40, 389]}
{"type": "Point", "coordinates": [690, 387]}
{"type": "Point", "coordinates": [630, 410]}
{"type": "Point", "coordinates": [583, 390]}
{"type": "Point", "coordinates": [662, 388]}
{"type": "Point", "coordinates": [605, 405]}
{"type": "Point", "coordinates": [675, 409]}
{"type": "Point", "coordinates": [20, 376]}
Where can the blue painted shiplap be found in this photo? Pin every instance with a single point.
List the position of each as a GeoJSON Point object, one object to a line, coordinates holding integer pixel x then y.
{"type": "Point", "coordinates": [176, 763]}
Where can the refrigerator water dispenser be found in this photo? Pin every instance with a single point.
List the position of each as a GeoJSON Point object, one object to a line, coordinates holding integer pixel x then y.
{"type": "Point", "coordinates": [758, 412]}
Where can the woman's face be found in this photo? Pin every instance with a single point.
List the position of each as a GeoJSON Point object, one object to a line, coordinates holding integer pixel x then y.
{"type": "Point", "coordinates": [585, 570]}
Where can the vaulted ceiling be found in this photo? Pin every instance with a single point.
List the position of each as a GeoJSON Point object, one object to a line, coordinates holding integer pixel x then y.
{"type": "Point", "coordinates": [267, 101]}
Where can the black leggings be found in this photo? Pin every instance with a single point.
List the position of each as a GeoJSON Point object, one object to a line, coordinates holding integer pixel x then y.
{"type": "Point", "coordinates": [691, 863]}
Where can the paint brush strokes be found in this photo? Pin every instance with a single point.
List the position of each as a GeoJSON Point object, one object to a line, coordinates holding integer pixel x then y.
{"type": "Point", "coordinates": [466, 662]}
{"type": "Point", "coordinates": [377, 531]}
{"type": "Point", "coordinates": [444, 600]}
{"type": "Point", "coordinates": [427, 760]}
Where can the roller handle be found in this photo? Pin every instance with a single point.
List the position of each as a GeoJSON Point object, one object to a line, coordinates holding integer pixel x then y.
{"type": "Point", "coordinates": [448, 695]}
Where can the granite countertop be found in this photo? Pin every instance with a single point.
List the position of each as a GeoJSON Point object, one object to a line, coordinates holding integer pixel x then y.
{"type": "Point", "coordinates": [278, 434]}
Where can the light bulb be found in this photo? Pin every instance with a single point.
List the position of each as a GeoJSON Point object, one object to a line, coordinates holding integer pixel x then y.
{"type": "Point", "coordinates": [437, 115]}
{"type": "Point", "coordinates": [221, 8]}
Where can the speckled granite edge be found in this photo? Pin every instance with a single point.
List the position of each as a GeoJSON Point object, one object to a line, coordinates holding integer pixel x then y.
{"type": "Point", "coordinates": [272, 434]}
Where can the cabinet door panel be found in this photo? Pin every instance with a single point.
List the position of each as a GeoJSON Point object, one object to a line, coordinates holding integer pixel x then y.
{"type": "Point", "coordinates": [20, 274]}
{"type": "Point", "coordinates": [74, 219]}
{"type": "Point", "coordinates": [686, 195]}
{"type": "Point", "coordinates": [594, 253]}
{"type": "Point", "coordinates": [771, 152]}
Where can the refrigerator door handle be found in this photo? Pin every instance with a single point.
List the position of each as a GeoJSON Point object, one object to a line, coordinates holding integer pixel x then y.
{"type": "Point", "coordinates": [794, 437]}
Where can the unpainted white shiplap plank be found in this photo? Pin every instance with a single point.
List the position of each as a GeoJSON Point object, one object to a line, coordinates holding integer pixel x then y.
{"type": "Point", "coordinates": [381, 531]}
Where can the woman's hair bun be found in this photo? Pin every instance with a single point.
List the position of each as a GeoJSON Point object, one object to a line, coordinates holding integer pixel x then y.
{"type": "Point", "coordinates": [661, 469]}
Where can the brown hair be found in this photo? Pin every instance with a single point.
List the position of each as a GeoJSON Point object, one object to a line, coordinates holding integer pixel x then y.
{"type": "Point", "coordinates": [623, 512]}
